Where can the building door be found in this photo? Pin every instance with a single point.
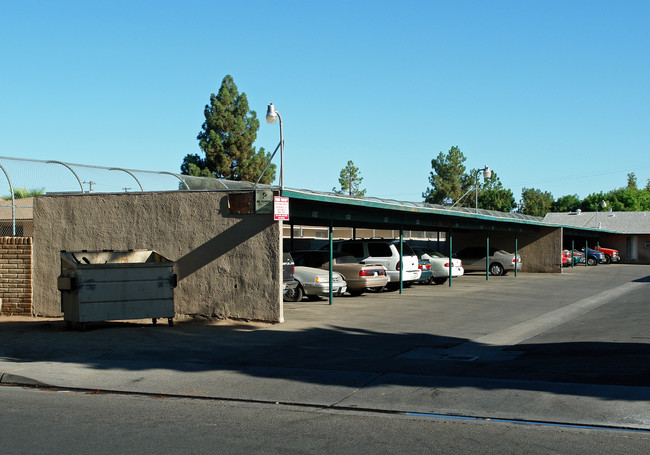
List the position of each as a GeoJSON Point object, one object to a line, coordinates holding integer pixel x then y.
{"type": "Point", "coordinates": [631, 248]}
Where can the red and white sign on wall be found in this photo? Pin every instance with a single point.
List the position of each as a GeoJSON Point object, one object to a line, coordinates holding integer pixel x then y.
{"type": "Point", "coordinates": [280, 208]}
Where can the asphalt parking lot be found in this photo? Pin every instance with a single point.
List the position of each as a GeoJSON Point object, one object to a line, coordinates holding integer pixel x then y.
{"type": "Point", "coordinates": [586, 325]}
{"type": "Point", "coordinates": [571, 347]}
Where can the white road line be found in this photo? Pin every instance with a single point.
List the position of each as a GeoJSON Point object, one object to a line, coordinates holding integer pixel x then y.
{"type": "Point", "coordinates": [528, 329]}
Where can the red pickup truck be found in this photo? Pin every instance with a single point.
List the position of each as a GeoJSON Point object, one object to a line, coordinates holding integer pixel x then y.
{"type": "Point", "coordinates": [611, 255]}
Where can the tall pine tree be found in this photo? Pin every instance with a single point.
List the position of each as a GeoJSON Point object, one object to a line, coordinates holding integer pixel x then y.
{"type": "Point", "coordinates": [226, 138]}
{"type": "Point", "coordinates": [350, 181]}
{"type": "Point", "coordinates": [448, 179]}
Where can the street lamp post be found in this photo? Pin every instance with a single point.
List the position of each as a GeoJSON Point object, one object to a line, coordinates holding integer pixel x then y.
{"type": "Point", "coordinates": [603, 204]}
{"type": "Point", "coordinates": [272, 116]}
{"type": "Point", "coordinates": [487, 173]}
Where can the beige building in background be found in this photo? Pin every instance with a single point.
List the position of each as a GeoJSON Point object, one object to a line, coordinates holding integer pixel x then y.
{"type": "Point", "coordinates": [24, 217]}
{"type": "Point", "coordinates": [632, 231]}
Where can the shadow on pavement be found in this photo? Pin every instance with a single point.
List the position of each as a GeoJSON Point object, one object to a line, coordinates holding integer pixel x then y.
{"type": "Point", "coordinates": [254, 350]}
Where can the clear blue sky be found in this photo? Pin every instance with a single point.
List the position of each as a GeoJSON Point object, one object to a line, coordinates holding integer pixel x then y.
{"type": "Point", "coordinates": [553, 95]}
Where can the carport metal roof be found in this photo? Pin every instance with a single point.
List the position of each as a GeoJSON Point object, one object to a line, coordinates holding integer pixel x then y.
{"type": "Point", "coordinates": [319, 209]}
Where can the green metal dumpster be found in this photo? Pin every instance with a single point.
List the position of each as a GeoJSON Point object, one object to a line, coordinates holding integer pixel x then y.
{"type": "Point", "coordinates": [114, 285]}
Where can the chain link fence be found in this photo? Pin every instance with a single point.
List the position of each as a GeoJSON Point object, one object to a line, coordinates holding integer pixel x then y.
{"type": "Point", "coordinates": [25, 178]}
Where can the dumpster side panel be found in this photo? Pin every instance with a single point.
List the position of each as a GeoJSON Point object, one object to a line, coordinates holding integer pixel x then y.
{"type": "Point", "coordinates": [106, 291]}
{"type": "Point", "coordinates": [125, 291]}
{"type": "Point", "coordinates": [116, 310]}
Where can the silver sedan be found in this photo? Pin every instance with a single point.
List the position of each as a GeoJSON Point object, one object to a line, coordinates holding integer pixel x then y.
{"type": "Point", "coordinates": [315, 283]}
{"type": "Point", "coordinates": [474, 259]}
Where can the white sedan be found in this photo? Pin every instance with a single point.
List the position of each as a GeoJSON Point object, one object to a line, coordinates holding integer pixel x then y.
{"type": "Point", "coordinates": [440, 264]}
{"type": "Point", "coordinates": [314, 283]}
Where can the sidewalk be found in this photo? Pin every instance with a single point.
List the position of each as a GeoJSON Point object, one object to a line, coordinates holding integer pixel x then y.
{"type": "Point", "coordinates": [495, 399]}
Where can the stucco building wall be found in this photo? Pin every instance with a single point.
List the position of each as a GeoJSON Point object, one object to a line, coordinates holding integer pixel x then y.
{"type": "Point", "coordinates": [541, 251]}
{"type": "Point", "coordinates": [228, 265]}
{"type": "Point", "coordinates": [633, 249]}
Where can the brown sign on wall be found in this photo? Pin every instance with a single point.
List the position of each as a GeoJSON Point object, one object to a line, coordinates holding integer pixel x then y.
{"type": "Point", "coordinates": [240, 203]}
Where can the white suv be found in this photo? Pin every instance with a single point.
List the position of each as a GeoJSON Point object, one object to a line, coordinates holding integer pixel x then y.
{"type": "Point", "coordinates": [384, 252]}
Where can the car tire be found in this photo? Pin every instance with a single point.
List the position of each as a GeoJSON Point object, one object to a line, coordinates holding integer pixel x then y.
{"type": "Point", "coordinates": [496, 269]}
{"type": "Point", "coordinates": [592, 261]}
{"type": "Point", "coordinates": [608, 259]}
{"type": "Point", "coordinates": [294, 295]}
{"type": "Point", "coordinates": [440, 280]}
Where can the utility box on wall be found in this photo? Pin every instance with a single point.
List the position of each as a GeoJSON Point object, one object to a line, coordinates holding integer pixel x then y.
{"type": "Point", "coordinates": [258, 201]}
{"type": "Point", "coordinates": [113, 285]}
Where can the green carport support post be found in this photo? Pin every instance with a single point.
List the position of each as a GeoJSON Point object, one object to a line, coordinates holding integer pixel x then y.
{"type": "Point", "coordinates": [450, 254]}
{"type": "Point", "coordinates": [401, 259]}
{"type": "Point", "coordinates": [516, 262]}
{"type": "Point", "coordinates": [586, 254]}
{"type": "Point", "coordinates": [331, 238]}
{"type": "Point", "coordinates": [487, 257]}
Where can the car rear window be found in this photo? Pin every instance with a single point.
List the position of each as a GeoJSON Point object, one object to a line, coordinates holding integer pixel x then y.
{"type": "Point", "coordinates": [346, 260]}
{"type": "Point", "coordinates": [379, 250]}
{"type": "Point", "coordinates": [354, 249]}
{"type": "Point", "coordinates": [309, 259]}
{"type": "Point", "coordinates": [472, 252]}
{"type": "Point", "coordinates": [406, 250]}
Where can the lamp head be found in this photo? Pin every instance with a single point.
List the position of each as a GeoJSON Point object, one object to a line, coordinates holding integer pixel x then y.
{"type": "Point", "coordinates": [271, 115]}
{"type": "Point", "coordinates": [487, 173]}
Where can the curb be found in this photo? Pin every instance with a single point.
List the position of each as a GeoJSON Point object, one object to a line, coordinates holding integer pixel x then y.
{"type": "Point", "coordinates": [13, 379]}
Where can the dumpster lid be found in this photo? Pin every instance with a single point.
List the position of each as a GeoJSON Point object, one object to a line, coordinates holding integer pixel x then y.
{"type": "Point", "coordinates": [114, 257]}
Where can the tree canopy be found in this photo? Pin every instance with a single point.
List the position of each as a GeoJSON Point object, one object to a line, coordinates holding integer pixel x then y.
{"type": "Point", "coordinates": [535, 202]}
{"type": "Point", "coordinates": [350, 181]}
{"type": "Point", "coordinates": [448, 179]}
{"type": "Point", "coordinates": [226, 138]}
{"type": "Point", "coordinates": [493, 196]}
{"type": "Point", "coordinates": [450, 184]}
{"type": "Point", "coordinates": [619, 200]}
{"type": "Point", "coordinates": [631, 181]}
{"type": "Point", "coordinates": [21, 193]}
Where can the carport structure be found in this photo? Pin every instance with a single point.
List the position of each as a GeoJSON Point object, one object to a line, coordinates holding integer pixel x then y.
{"type": "Point", "coordinates": [539, 243]}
